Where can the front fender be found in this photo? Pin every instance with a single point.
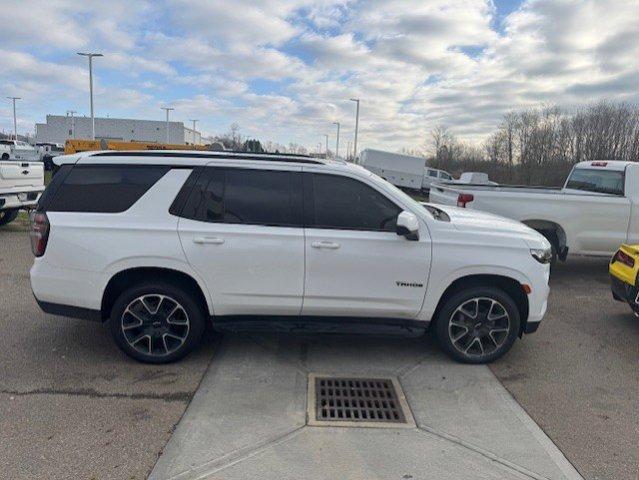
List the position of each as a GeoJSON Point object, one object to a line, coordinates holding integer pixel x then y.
{"type": "Point", "coordinates": [437, 289]}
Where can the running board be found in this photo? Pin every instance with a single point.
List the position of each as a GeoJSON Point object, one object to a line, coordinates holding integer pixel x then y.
{"type": "Point", "coordinates": [338, 325]}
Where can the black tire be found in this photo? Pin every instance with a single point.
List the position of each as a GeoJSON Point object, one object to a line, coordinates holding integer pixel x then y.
{"type": "Point", "coordinates": [5, 156]}
{"type": "Point", "coordinates": [8, 216]}
{"type": "Point", "coordinates": [135, 306]}
{"type": "Point", "coordinates": [551, 236]}
{"type": "Point", "coordinates": [485, 327]}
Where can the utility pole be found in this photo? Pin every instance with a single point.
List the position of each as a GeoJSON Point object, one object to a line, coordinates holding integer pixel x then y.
{"type": "Point", "coordinates": [167, 109]}
{"type": "Point", "coordinates": [71, 113]}
{"type": "Point", "coordinates": [326, 151]}
{"type": "Point", "coordinates": [15, 122]}
{"type": "Point", "coordinates": [90, 56]}
{"type": "Point", "coordinates": [337, 141]}
{"type": "Point", "coordinates": [194, 121]}
{"type": "Point", "coordinates": [356, 100]}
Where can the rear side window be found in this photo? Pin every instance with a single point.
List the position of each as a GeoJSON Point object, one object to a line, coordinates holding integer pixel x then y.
{"type": "Point", "coordinates": [345, 203]}
{"type": "Point", "coordinates": [104, 188]}
{"type": "Point", "coordinates": [594, 180]}
{"type": "Point", "coordinates": [246, 196]}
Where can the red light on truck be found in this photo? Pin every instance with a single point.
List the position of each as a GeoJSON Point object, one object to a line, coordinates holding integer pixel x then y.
{"type": "Point", "coordinates": [464, 198]}
{"type": "Point", "coordinates": [598, 164]}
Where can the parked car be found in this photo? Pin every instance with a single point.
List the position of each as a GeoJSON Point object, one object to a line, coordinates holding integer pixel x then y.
{"type": "Point", "coordinates": [596, 210]}
{"type": "Point", "coordinates": [161, 243]}
{"type": "Point", "coordinates": [624, 270]}
{"type": "Point", "coordinates": [433, 175]}
{"type": "Point", "coordinates": [17, 150]}
{"type": "Point", "coordinates": [21, 184]}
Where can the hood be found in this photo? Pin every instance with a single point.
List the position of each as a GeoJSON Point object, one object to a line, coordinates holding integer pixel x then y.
{"type": "Point", "coordinates": [467, 220]}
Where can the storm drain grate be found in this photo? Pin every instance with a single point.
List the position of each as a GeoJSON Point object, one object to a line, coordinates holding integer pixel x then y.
{"type": "Point", "coordinates": [339, 401]}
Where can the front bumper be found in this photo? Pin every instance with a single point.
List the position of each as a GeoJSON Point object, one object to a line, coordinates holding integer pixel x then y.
{"type": "Point", "coordinates": [13, 200]}
{"type": "Point", "coordinates": [624, 292]}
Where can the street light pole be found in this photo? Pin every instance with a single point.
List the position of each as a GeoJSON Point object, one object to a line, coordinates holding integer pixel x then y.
{"type": "Point", "coordinates": [70, 113]}
{"type": "Point", "coordinates": [15, 122]}
{"type": "Point", "coordinates": [337, 141]}
{"type": "Point", "coordinates": [356, 100]}
{"type": "Point", "coordinates": [90, 56]}
{"type": "Point", "coordinates": [194, 121]}
{"type": "Point", "coordinates": [326, 151]}
{"type": "Point", "coordinates": [167, 109]}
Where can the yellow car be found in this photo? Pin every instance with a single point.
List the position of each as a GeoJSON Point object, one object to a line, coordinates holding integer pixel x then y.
{"type": "Point", "coordinates": [623, 269]}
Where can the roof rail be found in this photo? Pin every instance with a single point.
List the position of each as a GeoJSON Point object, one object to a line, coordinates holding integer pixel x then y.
{"type": "Point", "coordinates": [276, 157]}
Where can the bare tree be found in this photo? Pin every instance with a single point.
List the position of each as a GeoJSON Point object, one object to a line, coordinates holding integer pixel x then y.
{"type": "Point", "coordinates": [540, 145]}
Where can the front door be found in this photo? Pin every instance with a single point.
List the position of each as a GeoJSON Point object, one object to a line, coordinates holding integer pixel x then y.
{"type": "Point", "coordinates": [243, 235]}
{"type": "Point", "coordinates": [356, 265]}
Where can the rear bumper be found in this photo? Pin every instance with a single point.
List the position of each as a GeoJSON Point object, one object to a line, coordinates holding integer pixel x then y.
{"type": "Point", "coordinates": [624, 292]}
{"type": "Point", "coordinates": [27, 199]}
{"type": "Point", "coordinates": [70, 311]}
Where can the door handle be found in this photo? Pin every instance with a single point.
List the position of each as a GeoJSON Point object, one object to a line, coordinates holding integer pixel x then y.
{"type": "Point", "coordinates": [329, 245]}
{"type": "Point", "coordinates": [208, 240]}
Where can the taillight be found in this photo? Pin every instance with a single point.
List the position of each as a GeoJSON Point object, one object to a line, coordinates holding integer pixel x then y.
{"type": "Point", "coordinates": [623, 257]}
{"type": "Point", "coordinates": [464, 198]}
{"type": "Point", "coordinates": [39, 233]}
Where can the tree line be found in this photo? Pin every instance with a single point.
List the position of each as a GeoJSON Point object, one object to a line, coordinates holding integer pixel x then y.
{"type": "Point", "coordinates": [539, 146]}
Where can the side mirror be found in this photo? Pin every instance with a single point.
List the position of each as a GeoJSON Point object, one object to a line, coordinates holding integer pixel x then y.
{"type": "Point", "coordinates": [408, 225]}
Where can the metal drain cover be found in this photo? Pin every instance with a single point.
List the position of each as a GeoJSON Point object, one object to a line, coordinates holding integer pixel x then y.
{"type": "Point", "coordinates": [350, 401]}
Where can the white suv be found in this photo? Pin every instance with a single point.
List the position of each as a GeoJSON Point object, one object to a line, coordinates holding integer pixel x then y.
{"type": "Point", "coordinates": [161, 243]}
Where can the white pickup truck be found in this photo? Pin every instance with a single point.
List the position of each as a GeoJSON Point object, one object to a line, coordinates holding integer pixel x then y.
{"type": "Point", "coordinates": [596, 210]}
{"type": "Point", "coordinates": [17, 150]}
{"type": "Point", "coordinates": [21, 184]}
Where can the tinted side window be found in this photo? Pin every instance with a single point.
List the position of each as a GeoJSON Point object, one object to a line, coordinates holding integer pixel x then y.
{"type": "Point", "coordinates": [104, 188]}
{"type": "Point", "coordinates": [245, 196]}
{"type": "Point", "coordinates": [348, 204]}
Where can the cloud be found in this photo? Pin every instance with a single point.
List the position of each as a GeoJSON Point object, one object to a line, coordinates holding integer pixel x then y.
{"type": "Point", "coordinates": [286, 69]}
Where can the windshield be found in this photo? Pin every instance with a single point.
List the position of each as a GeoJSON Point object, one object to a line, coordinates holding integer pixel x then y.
{"type": "Point", "coordinates": [595, 180]}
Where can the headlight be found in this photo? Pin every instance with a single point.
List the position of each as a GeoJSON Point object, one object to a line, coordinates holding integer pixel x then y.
{"type": "Point", "coordinates": [542, 255]}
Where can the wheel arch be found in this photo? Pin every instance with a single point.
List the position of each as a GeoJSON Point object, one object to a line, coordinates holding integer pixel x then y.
{"type": "Point", "coordinates": [124, 279]}
{"type": "Point", "coordinates": [511, 286]}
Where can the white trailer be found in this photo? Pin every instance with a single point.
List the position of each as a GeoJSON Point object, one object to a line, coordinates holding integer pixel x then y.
{"type": "Point", "coordinates": [401, 170]}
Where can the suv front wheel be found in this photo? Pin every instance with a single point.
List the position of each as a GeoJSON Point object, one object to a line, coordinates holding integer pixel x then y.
{"type": "Point", "coordinates": [478, 324]}
{"type": "Point", "coordinates": [156, 322]}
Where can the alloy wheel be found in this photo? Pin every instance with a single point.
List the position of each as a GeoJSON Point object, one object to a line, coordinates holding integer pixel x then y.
{"type": "Point", "coordinates": [478, 327]}
{"type": "Point", "coordinates": [155, 325]}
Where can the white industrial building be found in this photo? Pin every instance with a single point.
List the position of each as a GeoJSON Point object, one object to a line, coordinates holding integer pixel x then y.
{"type": "Point", "coordinates": [59, 128]}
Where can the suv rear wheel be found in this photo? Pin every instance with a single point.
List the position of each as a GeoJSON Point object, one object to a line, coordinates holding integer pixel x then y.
{"type": "Point", "coordinates": [156, 322]}
{"type": "Point", "coordinates": [478, 324]}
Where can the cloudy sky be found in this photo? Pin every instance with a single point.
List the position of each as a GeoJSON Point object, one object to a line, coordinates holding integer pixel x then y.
{"type": "Point", "coordinates": [285, 69]}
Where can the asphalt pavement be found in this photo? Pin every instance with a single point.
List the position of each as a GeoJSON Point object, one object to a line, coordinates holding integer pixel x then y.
{"type": "Point", "coordinates": [73, 406]}
{"type": "Point", "coordinates": [578, 376]}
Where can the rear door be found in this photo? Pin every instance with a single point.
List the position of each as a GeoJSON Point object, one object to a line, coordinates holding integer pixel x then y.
{"type": "Point", "coordinates": [356, 265]}
{"type": "Point", "coordinates": [242, 231]}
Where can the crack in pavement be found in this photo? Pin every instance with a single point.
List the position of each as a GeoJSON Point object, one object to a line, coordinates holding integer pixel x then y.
{"type": "Point", "coordinates": [92, 393]}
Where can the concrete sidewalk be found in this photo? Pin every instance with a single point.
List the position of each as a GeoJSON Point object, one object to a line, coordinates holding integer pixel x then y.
{"type": "Point", "coordinates": [249, 417]}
